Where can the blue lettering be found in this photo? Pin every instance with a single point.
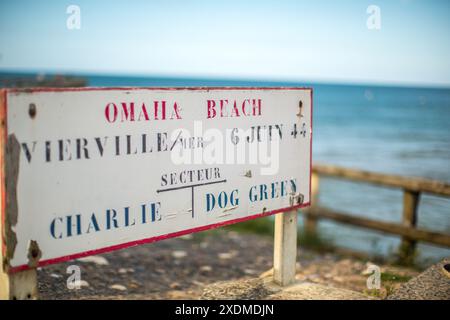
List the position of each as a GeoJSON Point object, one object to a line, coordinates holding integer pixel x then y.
{"type": "Point", "coordinates": [210, 202]}
{"type": "Point", "coordinates": [52, 228]}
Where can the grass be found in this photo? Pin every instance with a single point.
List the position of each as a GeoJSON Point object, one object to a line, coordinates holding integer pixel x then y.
{"type": "Point", "coordinates": [262, 226]}
{"type": "Point", "coordinates": [389, 281]}
{"type": "Point", "coordinates": [265, 227]}
{"type": "Point", "coordinates": [392, 277]}
{"type": "Point", "coordinates": [314, 241]}
{"type": "Point", "coordinates": [380, 294]}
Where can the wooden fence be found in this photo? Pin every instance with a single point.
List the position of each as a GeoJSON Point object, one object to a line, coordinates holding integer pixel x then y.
{"type": "Point", "coordinates": [407, 229]}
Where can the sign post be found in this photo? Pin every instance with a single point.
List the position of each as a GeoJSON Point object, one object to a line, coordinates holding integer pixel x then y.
{"type": "Point", "coordinates": [285, 248]}
{"type": "Point", "coordinates": [91, 170]}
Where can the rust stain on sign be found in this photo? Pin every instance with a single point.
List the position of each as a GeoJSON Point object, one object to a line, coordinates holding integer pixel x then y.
{"type": "Point", "coordinates": [296, 199]}
{"type": "Point", "coordinates": [300, 109]}
{"type": "Point", "coordinates": [12, 174]}
{"type": "Point", "coordinates": [34, 254]}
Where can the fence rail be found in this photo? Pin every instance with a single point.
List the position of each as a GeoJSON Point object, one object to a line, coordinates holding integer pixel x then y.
{"type": "Point", "coordinates": [407, 229]}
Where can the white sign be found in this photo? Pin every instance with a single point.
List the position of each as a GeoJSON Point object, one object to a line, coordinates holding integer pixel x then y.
{"type": "Point", "coordinates": [97, 169]}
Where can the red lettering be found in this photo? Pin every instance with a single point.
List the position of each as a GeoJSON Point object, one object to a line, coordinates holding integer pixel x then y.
{"type": "Point", "coordinates": [163, 109]}
{"type": "Point", "coordinates": [243, 107]}
{"type": "Point", "coordinates": [233, 108]}
{"type": "Point", "coordinates": [175, 110]}
{"type": "Point", "coordinates": [108, 112]}
{"type": "Point", "coordinates": [211, 109]}
{"type": "Point", "coordinates": [143, 113]}
{"type": "Point", "coordinates": [235, 112]}
{"type": "Point", "coordinates": [127, 112]}
{"type": "Point", "coordinates": [256, 107]}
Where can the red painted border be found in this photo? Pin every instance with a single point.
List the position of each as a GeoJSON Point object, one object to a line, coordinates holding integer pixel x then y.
{"type": "Point", "coordinates": [169, 235]}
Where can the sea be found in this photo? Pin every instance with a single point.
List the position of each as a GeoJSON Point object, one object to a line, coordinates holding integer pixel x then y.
{"type": "Point", "coordinates": [387, 129]}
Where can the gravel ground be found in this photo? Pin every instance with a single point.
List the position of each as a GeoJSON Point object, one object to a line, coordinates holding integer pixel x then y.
{"type": "Point", "coordinates": [432, 284]}
{"type": "Point", "coordinates": [181, 268]}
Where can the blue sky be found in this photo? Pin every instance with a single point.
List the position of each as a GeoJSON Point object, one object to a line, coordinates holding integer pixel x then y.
{"type": "Point", "coordinates": [274, 40]}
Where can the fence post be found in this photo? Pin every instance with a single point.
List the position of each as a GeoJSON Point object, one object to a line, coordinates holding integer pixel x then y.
{"type": "Point", "coordinates": [310, 221]}
{"type": "Point", "coordinates": [285, 248]}
{"type": "Point", "coordinates": [409, 219]}
{"type": "Point", "coordinates": [21, 285]}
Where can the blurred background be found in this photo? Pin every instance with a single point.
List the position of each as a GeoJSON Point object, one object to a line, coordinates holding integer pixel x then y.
{"type": "Point", "coordinates": [380, 71]}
